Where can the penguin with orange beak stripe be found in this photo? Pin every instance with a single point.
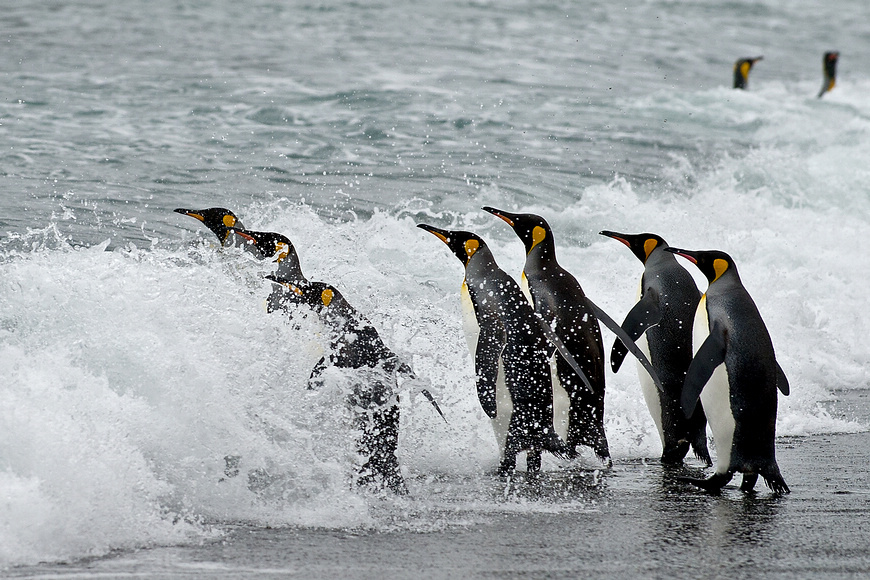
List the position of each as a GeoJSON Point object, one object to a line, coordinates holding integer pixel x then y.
{"type": "Point", "coordinates": [741, 71]}
{"type": "Point", "coordinates": [735, 374]}
{"type": "Point", "coordinates": [558, 298]}
{"type": "Point", "coordinates": [356, 347]}
{"type": "Point", "coordinates": [511, 355]}
{"type": "Point", "coordinates": [661, 323]}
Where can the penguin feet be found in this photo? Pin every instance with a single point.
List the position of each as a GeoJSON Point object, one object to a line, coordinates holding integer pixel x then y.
{"type": "Point", "coordinates": [674, 454]}
{"type": "Point", "coordinates": [776, 484]}
{"type": "Point", "coordinates": [712, 484]}
{"type": "Point", "coordinates": [749, 480]}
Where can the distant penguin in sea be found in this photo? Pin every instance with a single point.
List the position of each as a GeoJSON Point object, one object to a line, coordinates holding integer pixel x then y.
{"type": "Point", "coordinates": [829, 69]}
{"type": "Point", "coordinates": [736, 375]}
{"type": "Point", "coordinates": [219, 220]}
{"type": "Point", "coordinates": [741, 71]}
{"type": "Point", "coordinates": [511, 355]}
{"type": "Point", "coordinates": [558, 298]}
{"type": "Point", "coordinates": [354, 345]}
{"type": "Point", "coordinates": [661, 322]}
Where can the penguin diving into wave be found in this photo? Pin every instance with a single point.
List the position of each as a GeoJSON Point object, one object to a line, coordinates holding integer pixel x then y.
{"type": "Point", "coordinates": [736, 376]}
{"type": "Point", "coordinates": [661, 323]}
{"type": "Point", "coordinates": [356, 347]}
{"type": "Point", "coordinates": [509, 343]}
{"type": "Point", "coordinates": [558, 298]}
{"type": "Point", "coordinates": [741, 71]}
{"type": "Point", "coordinates": [219, 220]}
{"type": "Point", "coordinates": [829, 69]}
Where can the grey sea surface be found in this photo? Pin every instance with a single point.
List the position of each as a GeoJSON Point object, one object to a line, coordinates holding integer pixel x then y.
{"type": "Point", "coordinates": [635, 521]}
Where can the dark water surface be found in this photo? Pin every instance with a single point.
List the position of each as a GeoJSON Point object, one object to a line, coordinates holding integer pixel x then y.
{"type": "Point", "coordinates": [635, 521]}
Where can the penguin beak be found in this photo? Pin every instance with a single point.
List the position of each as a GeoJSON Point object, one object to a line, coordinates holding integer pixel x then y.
{"type": "Point", "coordinates": [689, 255]}
{"type": "Point", "coordinates": [616, 236]}
{"type": "Point", "coordinates": [191, 212]}
{"type": "Point", "coordinates": [443, 235]}
{"type": "Point", "coordinates": [251, 239]}
{"type": "Point", "coordinates": [506, 216]}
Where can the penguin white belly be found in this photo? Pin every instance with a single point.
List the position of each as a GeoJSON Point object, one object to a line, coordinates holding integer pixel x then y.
{"type": "Point", "coordinates": [524, 286]}
{"type": "Point", "coordinates": [716, 395]}
{"type": "Point", "coordinates": [649, 389]}
{"type": "Point", "coordinates": [561, 402]}
{"type": "Point", "coordinates": [503, 404]}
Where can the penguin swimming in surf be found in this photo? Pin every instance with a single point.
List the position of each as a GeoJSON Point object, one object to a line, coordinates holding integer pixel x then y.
{"type": "Point", "coordinates": [829, 69]}
{"type": "Point", "coordinates": [661, 322]}
{"type": "Point", "coordinates": [219, 220]}
{"type": "Point", "coordinates": [511, 355]}
{"type": "Point", "coordinates": [558, 298]}
{"type": "Point", "coordinates": [268, 245]}
{"type": "Point", "coordinates": [354, 345]}
{"type": "Point", "coordinates": [741, 71]}
{"type": "Point", "coordinates": [735, 374]}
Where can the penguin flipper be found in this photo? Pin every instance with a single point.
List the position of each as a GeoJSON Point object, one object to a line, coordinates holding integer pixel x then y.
{"type": "Point", "coordinates": [782, 381]}
{"type": "Point", "coordinates": [709, 356]}
{"type": "Point", "coordinates": [563, 350]}
{"type": "Point", "coordinates": [628, 342]}
{"type": "Point", "coordinates": [645, 314]}
{"type": "Point", "coordinates": [432, 400]}
{"type": "Point", "coordinates": [318, 369]}
{"type": "Point", "coordinates": [489, 346]}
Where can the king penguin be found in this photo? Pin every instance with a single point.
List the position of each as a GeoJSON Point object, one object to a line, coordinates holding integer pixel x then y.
{"type": "Point", "coordinates": [558, 298]}
{"type": "Point", "coordinates": [661, 322]}
{"type": "Point", "coordinates": [741, 71]}
{"type": "Point", "coordinates": [219, 220]}
{"type": "Point", "coordinates": [736, 375]}
{"type": "Point", "coordinates": [511, 355]}
{"type": "Point", "coordinates": [268, 245]}
{"type": "Point", "coordinates": [356, 347]}
{"type": "Point", "coordinates": [829, 70]}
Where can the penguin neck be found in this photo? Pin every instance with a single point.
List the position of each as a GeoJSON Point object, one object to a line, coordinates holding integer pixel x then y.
{"type": "Point", "coordinates": [481, 263]}
{"type": "Point", "coordinates": [541, 257]}
{"type": "Point", "coordinates": [727, 282]}
{"type": "Point", "coordinates": [289, 267]}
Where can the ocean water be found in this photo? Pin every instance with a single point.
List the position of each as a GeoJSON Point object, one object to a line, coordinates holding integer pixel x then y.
{"type": "Point", "coordinates": [137, 353]}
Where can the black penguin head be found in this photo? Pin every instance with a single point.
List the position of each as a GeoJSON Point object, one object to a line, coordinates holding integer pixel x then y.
{"type": "Point", "coordinates": [532, 229]}
{"type": "Point", "coordinates": [319, 296]}
{"type": "Point", "coordinates": [712, 263]}
{"type": "Point", "coordinates": [218, 219]}
{"type": "Point", "coordinates": [269, 244]}
{"type": "Point", "coordinates": [829, 66]}
{"type": "Point", "coordinates": [641, 245]}
{"type": "Point", "coordinates": [463, 244]}
{"type": "Point", "coordinates": [741, 71]}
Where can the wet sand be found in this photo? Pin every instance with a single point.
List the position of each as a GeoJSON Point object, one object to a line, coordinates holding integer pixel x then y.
{"type": "Point", "coordinates": [636, 521]}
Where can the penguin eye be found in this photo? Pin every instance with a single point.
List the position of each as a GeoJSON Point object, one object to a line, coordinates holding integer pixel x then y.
{"type": "Point", "coordinates": [229, 221]}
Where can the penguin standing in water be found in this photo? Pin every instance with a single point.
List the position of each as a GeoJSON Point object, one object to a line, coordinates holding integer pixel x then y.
{"type": "Point", "coordinates": [741, 71]}
{"type": "Point", "coordinates": [220, 221]}
{"type": "Point", "coordinates": [558, 298]}
{"type": "Point", "coordinates": [829, 68]}
{"type": "Point", "coordinates": [661, 322]}
{"type": "Point", "coordinates": [354, 345]}
{"type": "Point", "coordinates": [735, 374]}
{"type": "Point", "coordinates": [511, 355]}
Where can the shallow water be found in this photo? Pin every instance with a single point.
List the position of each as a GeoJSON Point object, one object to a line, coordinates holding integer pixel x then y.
{"type": "Point", "coordinates": [636, 520]}
{"type": "Point", "coordinates": [137, 355]}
